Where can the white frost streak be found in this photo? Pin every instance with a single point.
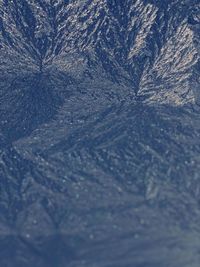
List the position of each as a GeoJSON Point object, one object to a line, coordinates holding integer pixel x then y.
{"type": "Point", "coordinates": [148, 15]}
{"type": "Point", "coordinates": [172, 69]}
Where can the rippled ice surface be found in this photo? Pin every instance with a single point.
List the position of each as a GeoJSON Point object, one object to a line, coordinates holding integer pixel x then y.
{"type": "Point", "coordinates": [99, 133]}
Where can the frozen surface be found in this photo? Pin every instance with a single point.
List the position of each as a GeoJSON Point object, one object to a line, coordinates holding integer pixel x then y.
{"type": "Point", "coordinates": [99, 133]}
